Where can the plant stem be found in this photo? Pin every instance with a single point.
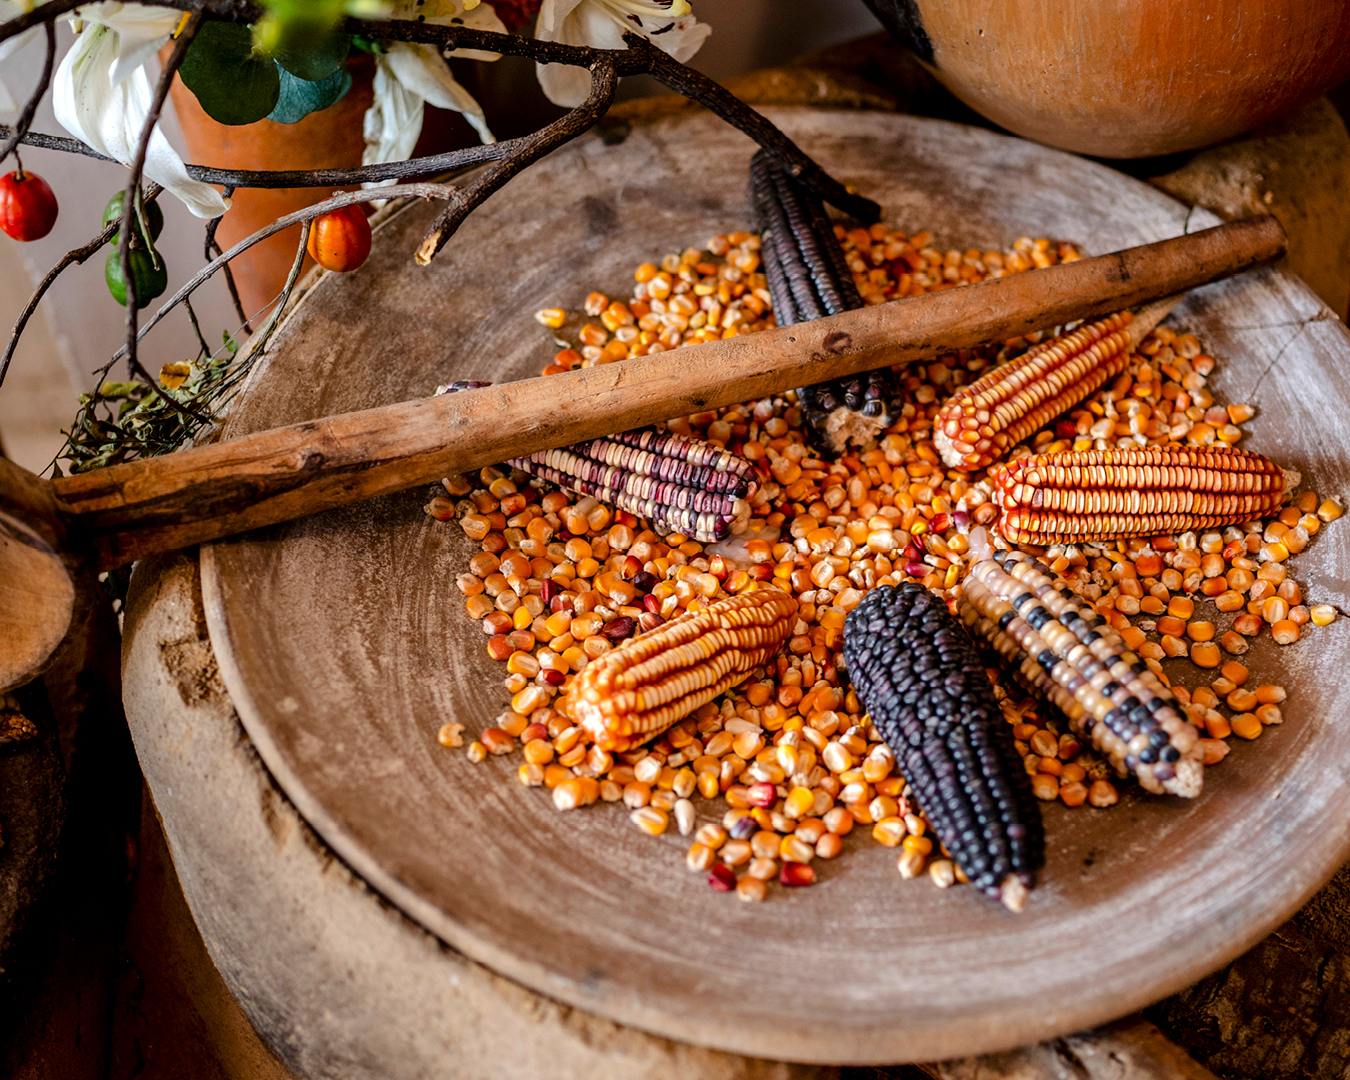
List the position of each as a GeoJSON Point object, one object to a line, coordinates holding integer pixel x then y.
{"type": "Point", "coordinates": [131, 196]}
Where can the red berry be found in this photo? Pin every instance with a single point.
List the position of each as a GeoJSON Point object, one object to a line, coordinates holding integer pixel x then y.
{"type": "Point", "coordinates": [340, 239]}
{"type": "Point", "coordinates": [27, 206]}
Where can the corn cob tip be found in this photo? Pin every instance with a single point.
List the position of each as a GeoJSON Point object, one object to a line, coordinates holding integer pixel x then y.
{"type": "Point", "coordinates": [981, 422]}
{"type": "Point", "coordinates": [1014, 893]}
{"type": "Point", "coordinates": [1148, 316]}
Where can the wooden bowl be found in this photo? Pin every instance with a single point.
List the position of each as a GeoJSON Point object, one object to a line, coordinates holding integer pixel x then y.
{"type": "Point", "coordinates": [1128, 78]}
{"type": "Point", "coordinates": [344, 643]}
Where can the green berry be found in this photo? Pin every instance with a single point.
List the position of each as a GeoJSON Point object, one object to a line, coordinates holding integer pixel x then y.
{"type": "Point", "coordinates": [147, 271]}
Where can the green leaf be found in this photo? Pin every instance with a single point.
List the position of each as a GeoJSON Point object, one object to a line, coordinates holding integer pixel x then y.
{"type": "Point", "coordinates": [299, 98]}
{"type": "Point", "coordinates": [233, 84]}
{"type": "Point", "coordinates": [318, 63]}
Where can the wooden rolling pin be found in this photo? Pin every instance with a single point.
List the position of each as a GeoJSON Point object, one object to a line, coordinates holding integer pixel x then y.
{"type": "Point", "coordinates": [52, 532]}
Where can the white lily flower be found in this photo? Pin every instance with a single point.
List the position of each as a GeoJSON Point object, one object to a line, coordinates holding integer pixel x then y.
{"type": "Point", "coordinates": [601, 24]}
{"type": "Point", "coordinates": [108, 117]}
{"type": "Point", "coordinates": [12, 9]}
{"type": "Point", "coordinates": [410, 75]}
{"type": "Point", "coordinates": [141, 31]}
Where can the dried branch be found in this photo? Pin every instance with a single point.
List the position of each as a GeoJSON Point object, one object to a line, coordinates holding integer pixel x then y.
{"type": "Point", "coordinates": [131, 196]}
{"type": "Point", "coordinates": [212, 249]}
{"type": "Point", "coordinates": [34, 99]}
{"type": "Point", "coordinates": [43, 13]}
{"type": "Point", "coordinates": [258, 344]}
{"type": "Point", "coordinates": [309, 213]}
{"type": "Point", "coordinates": [720, 101]}
{"type": "Point", "coordinates": [79, 255]}
{"type": "Point", "coordinates": [604, 81]}
{"type": "Point", "coordinates": [641, 57]}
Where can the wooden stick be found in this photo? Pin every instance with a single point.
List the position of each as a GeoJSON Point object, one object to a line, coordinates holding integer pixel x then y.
{"type": "Point", "coordinates": [129, 511]}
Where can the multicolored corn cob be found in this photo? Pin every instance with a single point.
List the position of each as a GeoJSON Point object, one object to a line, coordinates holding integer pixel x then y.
{"type": "Point", "coordinates": [1061, 649]}
{"type": "Point", "coordinates": [922, 681]}
{"type": "Point", "coordinates": [809, 279]}
{"type": "Point", "coordinates": [981, 422]}
{"type": "Point", "coordinates": [1114, 494]}
{"type": "Point", "coordinates": [680, 485]}
{"type": "Point", "coordinates": [633, 693]}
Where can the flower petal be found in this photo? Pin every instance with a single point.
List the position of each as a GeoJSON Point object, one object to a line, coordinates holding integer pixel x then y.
{"type": "Point", "coordinates": [483, 17]}
{"type": "Point", "coordinates": [140, 30]}
{"type": "Point", "coordinates": [394, 120]}
{"type": "Point", "coordinates": [551, 16]}
{"type": "Point", "coordinates": [601, 24]}
{"type": "Point", "coordinates": [422, 71]}
{"type": "Point", "coordinates": [108, 118]}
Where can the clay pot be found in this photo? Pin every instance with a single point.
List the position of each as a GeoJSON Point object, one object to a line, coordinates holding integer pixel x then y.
{"type": "Point", "coordinates": [329, 139]}
{"type": "Point", "coordinates": [1128, 78]}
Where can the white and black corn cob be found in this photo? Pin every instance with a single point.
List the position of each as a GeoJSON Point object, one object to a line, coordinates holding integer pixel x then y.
{"type": "Point", "coordinates": [920, 677]}
{"type": "Point", "coordinates": [808, 279]}
{"type": "Point", "coordinates": [1063, 650]}
{"type": "Point", "coordinates": [680, 485]}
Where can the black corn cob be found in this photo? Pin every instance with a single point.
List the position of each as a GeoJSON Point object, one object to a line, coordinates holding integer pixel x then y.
{"type": "Point", "coordinates": [921, 680]}
{"type": "Point", "coordinates": [680, 485]}
{"type": "Point", "coordinates": [808, 279]}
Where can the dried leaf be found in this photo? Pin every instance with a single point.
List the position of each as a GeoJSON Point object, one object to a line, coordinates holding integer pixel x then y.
{"type": "Point", "coordinates": [172, 376]}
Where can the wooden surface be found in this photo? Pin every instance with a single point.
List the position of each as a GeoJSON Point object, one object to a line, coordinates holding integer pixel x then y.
{"type": "Point", "coordinates": [139, 508]}
{"type": "Point", "coordinates": [338, 984]}
{"type": "Point", "coordinates": [344, 648]}
{"type": "Point", "coordinates": [1129, 78]}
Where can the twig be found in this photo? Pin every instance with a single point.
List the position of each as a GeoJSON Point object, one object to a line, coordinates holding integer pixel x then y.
{"type": "Point", "coordinates": [309, 213]}
{"type": "Point", "coordinates": [26, 117]}
{"type": "Point", "coordinates": [44, 13]}
{"type": "Point", "coordinates": [641, 57]}
{"type": "Point", "coordinates": [604, 81]}
{"type": "Point", "coordinates": [259, 342]}
{"type": "Point", "coordinates": [79, 255]}
{"type": "Point", "coordinates": [197, 328]}
{"type": "Point", "coordinates": [720, 101]}
{"type": "Point", "coordinates": [212, 249]}
{"type": "Point", "coordinates": [431, 165]}
{"type": "Point", "coordinates": [131, 198]}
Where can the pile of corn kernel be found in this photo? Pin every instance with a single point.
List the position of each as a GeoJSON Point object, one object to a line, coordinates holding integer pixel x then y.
{"type": "Point", "coordinates": [790, 753]}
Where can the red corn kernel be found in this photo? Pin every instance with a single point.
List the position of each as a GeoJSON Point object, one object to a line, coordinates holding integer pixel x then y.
{"type": "Point", "coordinates": [722, 878]}
{"type": "Point", "coordinates": [795, 874]}
{"type": "Point", "coordinates": [761, 794]}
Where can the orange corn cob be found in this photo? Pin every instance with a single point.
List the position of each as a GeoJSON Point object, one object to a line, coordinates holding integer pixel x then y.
{"type": "Point", "coordinates": [1114, 494]}
{"type": "Point", "coordinates": [635, 692]}
{"type": "Point", "coordinates": [980, 422]}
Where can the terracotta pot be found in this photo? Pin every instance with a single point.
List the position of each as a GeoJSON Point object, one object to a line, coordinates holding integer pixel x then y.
{"type": "Point", "coordinates": [324, 140]}
{"type": "Point", "coordinates": [330, 139]}
{"type": "Point", "coordinates": [1128, 78]}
